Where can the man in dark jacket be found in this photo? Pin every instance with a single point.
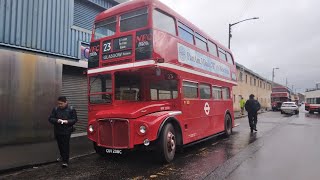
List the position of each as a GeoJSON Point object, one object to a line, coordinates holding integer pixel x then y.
{"type": "Point", "coordinates": [63, 117]}
{"type": "Point", "coordinates": [252, 106]}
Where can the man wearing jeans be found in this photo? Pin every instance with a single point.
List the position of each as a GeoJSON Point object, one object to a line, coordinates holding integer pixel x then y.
{"type": "Point", "coordinates": [63, 117]}
{"type": "Point", "coordinates": [252, 106]}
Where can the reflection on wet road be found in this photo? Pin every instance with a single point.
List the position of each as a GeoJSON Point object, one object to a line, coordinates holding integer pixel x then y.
{"type": "Point", "coordinates": [203, 160]}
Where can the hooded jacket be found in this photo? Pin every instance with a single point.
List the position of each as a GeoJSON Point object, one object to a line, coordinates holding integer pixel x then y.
{"type": "Point", "coordinates": [69, 114]}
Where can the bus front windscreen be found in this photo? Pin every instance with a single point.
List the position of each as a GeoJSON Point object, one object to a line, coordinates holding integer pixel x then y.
{"type": "Point", "coordinates": [105, 28]}
{"type": "Point", "coordinates": [134, 20]}
{"type": "Point", "coordinates": [100, 89]}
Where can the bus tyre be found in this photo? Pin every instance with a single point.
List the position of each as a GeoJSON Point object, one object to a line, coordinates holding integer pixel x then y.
{"type": "Point", "coordinates": [167, 143]}
{"type": "Point", "coordinates": [281, 112]}
{"type": "Point", "coordinates": [227, 125]}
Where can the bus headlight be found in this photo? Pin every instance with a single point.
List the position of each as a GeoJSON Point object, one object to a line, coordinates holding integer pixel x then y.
{"type": "Point", "coordinates": [143, 129]}
{"type": "Point", "coordinates": [90, 128]}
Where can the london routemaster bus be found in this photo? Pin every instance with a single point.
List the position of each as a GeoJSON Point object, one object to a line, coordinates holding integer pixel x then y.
{"type": "Point", "coordinates": [155, 80]}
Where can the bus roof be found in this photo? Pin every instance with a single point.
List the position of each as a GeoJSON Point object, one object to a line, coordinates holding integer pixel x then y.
{"type": "Point", "coordinates": [131, 5]}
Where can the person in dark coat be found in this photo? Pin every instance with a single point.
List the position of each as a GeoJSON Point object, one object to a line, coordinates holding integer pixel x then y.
{"type": "Point", "coordinates": [63, 117]}
{"type": "Point", "coordinates": [252, 106]}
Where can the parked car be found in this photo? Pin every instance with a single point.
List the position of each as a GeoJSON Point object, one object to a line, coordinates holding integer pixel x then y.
{"type": "Point", "coordinates": [289, 108]}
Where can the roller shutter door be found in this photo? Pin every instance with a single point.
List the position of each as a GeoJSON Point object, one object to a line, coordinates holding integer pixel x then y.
{"type": "Point", "coordinates": [85, 12]}
{"type": "Point", "coordinates": [74, 87]}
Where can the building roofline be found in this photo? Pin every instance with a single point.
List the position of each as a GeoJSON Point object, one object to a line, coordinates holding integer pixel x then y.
{"type": "Point", "coordinates": [252, 72]}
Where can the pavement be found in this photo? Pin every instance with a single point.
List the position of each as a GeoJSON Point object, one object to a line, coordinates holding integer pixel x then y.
{"type": "Point", "coordinates": [22, 156]}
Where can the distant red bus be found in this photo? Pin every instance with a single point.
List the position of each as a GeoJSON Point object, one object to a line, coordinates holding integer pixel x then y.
{"type": "Point", "coordinates": [279, 95]}
{"type": "Point", "coordinates": [156, 81]}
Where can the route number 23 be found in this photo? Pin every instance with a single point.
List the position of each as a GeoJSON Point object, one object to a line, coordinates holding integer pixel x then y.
{"type": "Point", "coordinates": [107, 47]}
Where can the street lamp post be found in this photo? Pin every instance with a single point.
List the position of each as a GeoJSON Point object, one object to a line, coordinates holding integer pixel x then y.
{"type": "Point", "coordinates": [273, 76]}
{"type": "Point", "coordinates": [230, 25]}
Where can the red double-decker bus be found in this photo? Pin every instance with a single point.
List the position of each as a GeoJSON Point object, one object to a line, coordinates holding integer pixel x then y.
{"type": "Point", "coordinates": [279, 95]}
{"type": "Point", "coordinates": [155, 80]}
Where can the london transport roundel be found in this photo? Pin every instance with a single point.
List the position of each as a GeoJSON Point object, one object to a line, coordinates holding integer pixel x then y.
{"type": "Point", "coordinates": [206, 108]}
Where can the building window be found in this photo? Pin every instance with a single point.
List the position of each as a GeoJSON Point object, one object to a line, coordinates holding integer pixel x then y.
{"type": "Point", "coordinates": [164, 22]}
{"type": "Point", "coordinates": [240, 76]}
{"type": "Point", "coordinates": [225, 93]}
{"type": "Point", "coordinates": [201, 42]}
{"type": "Point", "coordinates": [205, 92]}
{"type": "Point", "coordinates": [134, 20]}
{"type": "Point", "coordinates": [255, 82]}
{"type": "Point", "coordinates": [247, 79]}
{"type": "Point", "coordinates": [217, 93]}
{"type": "Point", "coordinates": [250, 80]}
{"type": "Point", "coordinates": [185, 33]}
{"type": "Point", "coordinates": [213, 48]}
{"type": "Point", "coordinates": [260, 84]}
{"type": "Point", "coordinates": [190, 90]}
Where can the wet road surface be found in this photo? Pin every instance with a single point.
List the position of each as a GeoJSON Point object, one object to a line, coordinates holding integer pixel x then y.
{"type": "Point", "coordinates": [280, 143]}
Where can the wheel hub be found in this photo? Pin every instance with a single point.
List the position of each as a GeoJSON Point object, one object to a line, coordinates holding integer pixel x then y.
{"type": "Point", "coordinates": [171, 142]}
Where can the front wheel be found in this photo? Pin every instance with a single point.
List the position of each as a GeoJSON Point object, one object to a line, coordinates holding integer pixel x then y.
{"type": "Point", "coordinates": [227, 125]}
{"type": "Point", "coordinates": [167, 143]}
{"type": "Point", "coordinates": [281, 112]}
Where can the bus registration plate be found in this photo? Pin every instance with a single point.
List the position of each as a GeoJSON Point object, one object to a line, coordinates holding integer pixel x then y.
{"type": "Point", "coordinates": [113, 151]}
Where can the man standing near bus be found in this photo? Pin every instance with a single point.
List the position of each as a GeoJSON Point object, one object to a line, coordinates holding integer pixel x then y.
{"type": "Point", "coordinates": [252, 107]}
{"type": "Point", "coordinates": [242, 103]}
{"type": "Point", "coordinates": [63, 117]}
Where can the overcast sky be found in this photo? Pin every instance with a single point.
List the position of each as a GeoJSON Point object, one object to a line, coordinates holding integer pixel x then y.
{"type": "Point", "coordinates": [286, 35]}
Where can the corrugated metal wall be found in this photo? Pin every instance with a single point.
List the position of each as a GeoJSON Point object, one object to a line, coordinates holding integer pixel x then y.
{"type": "Point", "coordinates": [44, 25]}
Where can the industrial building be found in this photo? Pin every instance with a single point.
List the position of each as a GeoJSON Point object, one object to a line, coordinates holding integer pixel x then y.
{"type": "Point", "coordinates": [44, 49]}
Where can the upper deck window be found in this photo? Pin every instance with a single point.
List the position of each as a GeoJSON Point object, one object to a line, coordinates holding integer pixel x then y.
{"type": "Point", "coordinates": [213, 48]}
{"type": "Point", "coordinates": [222, 54]}
{"type": "Point", "coordinates": [201, 42]}
{"type": "Point", "coordinates": [105, 28]}
{"type": "Point", "coordinates": [134, 20]}
{"type": "Point", "coordinates": [229, 58]}
{"type": "Point", "coordinates": [185, 33]}
{"type": "Point", "coordinates": [164, 22]}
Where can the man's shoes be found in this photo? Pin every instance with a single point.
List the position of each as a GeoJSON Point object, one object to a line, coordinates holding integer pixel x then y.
{"type": "Point", "coordinates": [255, 129]}
{"type": "Point", "coordinates": [251, 130]}
{"type": "Point", "coordinates": [65, 165]}
{"type": "Point", "coordinates": [59, 159]}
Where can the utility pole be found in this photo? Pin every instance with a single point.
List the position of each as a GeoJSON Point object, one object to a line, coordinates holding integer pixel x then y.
{"type": "Point", "coordinates": [273, 77]}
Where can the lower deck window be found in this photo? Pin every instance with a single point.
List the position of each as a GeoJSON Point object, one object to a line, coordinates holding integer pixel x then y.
{"type": "Point", "coordinates": [190, 90]}
{"type": "Point", "coordinates": [225, 93]}
{"type": "Point", "coordinates": [164, 89]}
